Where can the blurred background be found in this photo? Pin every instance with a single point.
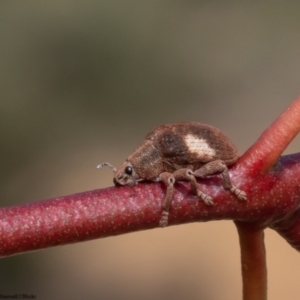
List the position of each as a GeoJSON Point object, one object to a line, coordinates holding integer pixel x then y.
{"type": "Point", "coordinates": [83, 82]}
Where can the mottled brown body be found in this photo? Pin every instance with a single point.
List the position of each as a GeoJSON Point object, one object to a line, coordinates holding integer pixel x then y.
{"type": "Point", "coordinates": [180, 151]}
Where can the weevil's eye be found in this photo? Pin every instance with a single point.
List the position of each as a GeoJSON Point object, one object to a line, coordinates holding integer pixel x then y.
{"type": "Point", "coordinates": [128, 170]}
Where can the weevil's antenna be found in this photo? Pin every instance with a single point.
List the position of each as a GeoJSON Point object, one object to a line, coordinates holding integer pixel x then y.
{"type": "Point", "coordinates": [107, 164]}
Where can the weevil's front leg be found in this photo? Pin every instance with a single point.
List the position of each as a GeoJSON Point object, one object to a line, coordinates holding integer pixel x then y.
{"type": "Point", "coordinates": [169, 180]}
{"type": "Point", "coordinates": [187, 175]}
{"type": "Point", "coordinates": [219, 167]}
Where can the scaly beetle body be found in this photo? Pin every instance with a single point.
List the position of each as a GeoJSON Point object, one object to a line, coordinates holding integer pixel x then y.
{"type": "Point", "coordinates": [180, 151]}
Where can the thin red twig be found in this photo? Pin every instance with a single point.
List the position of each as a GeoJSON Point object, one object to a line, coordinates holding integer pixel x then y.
{"type": "Point", "coordinates": [264, 153]}
{"type": "Point", "coordinates": [253, 261]}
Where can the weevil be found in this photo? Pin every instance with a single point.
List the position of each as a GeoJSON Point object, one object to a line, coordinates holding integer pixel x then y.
{"type": "Point", "coordinates": [180, 152]}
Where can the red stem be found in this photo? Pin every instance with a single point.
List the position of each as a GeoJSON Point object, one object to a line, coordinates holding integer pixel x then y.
{"type": "Point", "coordinates": [113, 211]}
{"type": "Point", "coordinates": [289, 229]}
{"type": "Point", "coordinates": [264, 153]}
{"type": "Point", "coordinates": [253, 261]}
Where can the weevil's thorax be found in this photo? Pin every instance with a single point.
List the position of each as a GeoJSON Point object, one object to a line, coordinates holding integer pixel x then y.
{"type": "Point", "coordinates": [144, 163]}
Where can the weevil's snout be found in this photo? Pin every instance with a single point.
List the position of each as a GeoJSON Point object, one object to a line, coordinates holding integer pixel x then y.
{"type": "Point", "coordinates": [116, 183]}
{"type": "Point", "coordinates": [125, 175]}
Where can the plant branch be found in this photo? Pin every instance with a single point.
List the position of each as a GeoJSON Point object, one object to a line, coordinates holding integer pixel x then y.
{"type": "Point", "coordinates": [120, 210]}
{"type": "Point", "coordinates": [289, 229]}
{"type": "Point", "coordinates": [263, 154]}
{"type": "Point", "coordinates": [253, 261]}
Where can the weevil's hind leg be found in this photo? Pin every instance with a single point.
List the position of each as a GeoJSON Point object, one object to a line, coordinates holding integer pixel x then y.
{"type": "Point", "coordinates": [187, 175]}
{"type": "Point", "coordinates": [169, 180]}
{"type": "Point", "coordinates": [229, 186]}
{"type": "Point", "coordinates": [219, 167]}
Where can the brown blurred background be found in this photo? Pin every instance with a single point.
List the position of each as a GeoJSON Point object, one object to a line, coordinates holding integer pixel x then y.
{"type": "Point", "coordinates": [82, 82]}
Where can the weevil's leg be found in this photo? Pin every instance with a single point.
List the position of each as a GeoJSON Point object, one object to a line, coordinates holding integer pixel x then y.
{"type": "Point", "coordinates": [229, 186]}
{"type": "Point", "coordinates": [219, 167]}
{"type": "Point", "coordinates": [169, 180]}
{"type": "Point", "coordinates": [187, 175]}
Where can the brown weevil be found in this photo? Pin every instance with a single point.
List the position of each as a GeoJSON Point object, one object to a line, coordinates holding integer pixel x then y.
{"type": "Point", "coordinates": [176, 152]}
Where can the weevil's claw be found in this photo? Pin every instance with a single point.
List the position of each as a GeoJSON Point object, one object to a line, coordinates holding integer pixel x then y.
{"type": "Point", "coordinates": [164, 219]}
{"type": "Point", "coordinates": [206, 199]}
{"type": "Point", "coordinates": [239, 193]}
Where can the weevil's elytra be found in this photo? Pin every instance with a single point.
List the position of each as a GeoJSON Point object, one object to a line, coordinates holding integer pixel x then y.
{"type": "Point", "coordinates": [180, 151]}
{"type": "Point", "coordinates": [198, 146]}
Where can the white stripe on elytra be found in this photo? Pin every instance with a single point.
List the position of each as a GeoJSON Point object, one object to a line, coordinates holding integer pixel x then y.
{"type": "Point", "coordinates": [198, 145]}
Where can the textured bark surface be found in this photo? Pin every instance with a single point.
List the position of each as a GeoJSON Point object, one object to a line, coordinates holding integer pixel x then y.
{"type": "Point", "coordinates": [272, 198]}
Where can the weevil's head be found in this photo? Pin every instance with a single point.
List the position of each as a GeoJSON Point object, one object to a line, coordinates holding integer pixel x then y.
{"type": "Point", "coordinates": [126, 175]}
{"type": "Point", "coordinates": [144, 163]}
